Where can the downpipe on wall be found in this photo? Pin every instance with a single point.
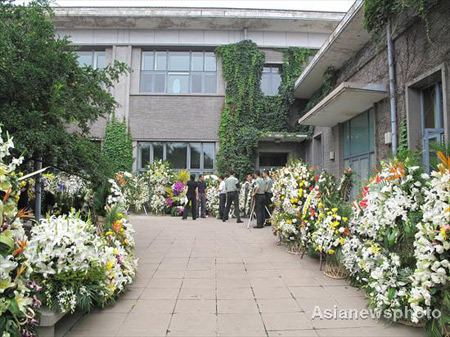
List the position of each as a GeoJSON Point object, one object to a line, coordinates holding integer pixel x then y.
{"type": "Point", "coordinates": [393, 103]}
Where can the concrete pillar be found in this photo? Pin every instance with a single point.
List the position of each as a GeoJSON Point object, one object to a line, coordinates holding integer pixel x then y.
{"type": "Point", "coordinates": [122, 88]}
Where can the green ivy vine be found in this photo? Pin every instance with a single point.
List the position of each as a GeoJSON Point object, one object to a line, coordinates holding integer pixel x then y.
{"type": "Point", "coordinates": [275, 110]}
{"type": "Point", "coordinates": [247, 113]}
{"type": "Point", "coordinates": [377, 13]}
{"type": "Point", "coordinates": [118, 147]}
{"type": "Point", "coordinates": [242, 65]}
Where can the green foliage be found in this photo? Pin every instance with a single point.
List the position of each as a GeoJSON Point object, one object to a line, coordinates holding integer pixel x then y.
{"type": "Point", "coordinates": [243, 63]}
{"type": "Point", "coordinates": [274, 115]}
{"type": "Point", "coordinates": [247, 112]}
{"type": "Point", "coordinates": [43, 90]}
{"type": "Point", "coordinates": [118, 147]}
{"type": "Point", "coordinates": [377, 13]}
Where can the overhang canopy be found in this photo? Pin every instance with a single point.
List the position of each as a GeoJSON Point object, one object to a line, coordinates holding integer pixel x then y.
{"type": "Point", "coordinates": [346, 101]}
{"type": "Point", "coordinates": [346, 40]}
{"type": "Point", "coordinates": [195, 18]}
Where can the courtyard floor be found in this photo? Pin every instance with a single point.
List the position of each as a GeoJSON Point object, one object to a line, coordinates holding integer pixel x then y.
{"type": "Point", "coordinates": [208, 278]}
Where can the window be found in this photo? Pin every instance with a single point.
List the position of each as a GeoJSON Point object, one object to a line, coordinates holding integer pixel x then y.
{"type": "Point", "coordinates": [94, 59]}
{"type": "Point", "coordinates": [198, 157]}
{"type": "Point", "coordinates": [271, 80]}
{"type": "Point", "coordinates": [178, 72]}
{"type": "Point", "coordinates": [432, 108]}
{"type": "Point", "coordinates": [318, 152]}
{"type": "Point", "coordinates": [358, 140]}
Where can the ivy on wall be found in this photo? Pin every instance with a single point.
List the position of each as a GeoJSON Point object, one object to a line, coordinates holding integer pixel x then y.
{"type": "Point", "coordinates": [118, 147]}
{"type": "Point", "coordinates": [377, 13]}
{"type": "Point", "coordinates": [275, 110]}
{"type": "Point", "coordinates": [247, 112]}
{"type": "Point", "coordinates": [242, 65]}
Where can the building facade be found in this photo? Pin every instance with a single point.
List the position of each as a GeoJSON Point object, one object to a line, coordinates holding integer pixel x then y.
{"type": "Point", "coordinates": [174, 93]}
{"type": "Point", "coordinates": [353, 124]}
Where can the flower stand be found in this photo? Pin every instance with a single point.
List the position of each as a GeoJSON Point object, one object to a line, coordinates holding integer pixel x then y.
{"type": "Point", "coordinates": [56, 324]}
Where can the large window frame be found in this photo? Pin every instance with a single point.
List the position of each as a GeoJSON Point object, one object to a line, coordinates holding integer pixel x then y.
{"type": "Point", "coordinates": [204, 147]}
{"type": "Point", "coordinates": [272, 75]}
{"type": "Point", "coordinates": [194, 77]}
{"type": "Point", "coordinates": [356, 160]}
{"type": "Point", "coordinates": [95, 55]}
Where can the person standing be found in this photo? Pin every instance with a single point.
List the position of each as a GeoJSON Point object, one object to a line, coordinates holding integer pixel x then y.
{"type": "Point", "coordinates": [201, 196]}
{"type": "Point", "coordinates": [222, 196]}
{"type": "Point", "coordinates": [268, 194]}
{"type": "Point", "coordinates": [191, 192]}
{"type": "Point", "coordinates": [260, 199]}
{"type": "Point", "coordinates": [231, 187]}
{"type": "Point", "coordinates": [248, 191]}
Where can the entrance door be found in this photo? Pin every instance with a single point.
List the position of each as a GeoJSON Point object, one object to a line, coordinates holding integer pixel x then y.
{"type": "Point", "coordinates": [272, 160]}
{"type": "Point", "coordinates": [432, 120]}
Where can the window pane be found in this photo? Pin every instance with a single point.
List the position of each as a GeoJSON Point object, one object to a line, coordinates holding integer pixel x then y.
{"type": "Point", "coordinates": [161, 60]}
{"type": "Point", "coordinates": [146, 82]}
{"type": "Point", "coordinates": [346, 140]}
{"type": "Point", "coordinates": [178, 61]}
{"type": "Point", "coordinates": [275, 70]}
{"type": "Point", "coordinates": [210, 62]}
{"type": "Point", "coordinates": [178, 83]}
{"type": "Point", "coordinates": [365, 169]}
{"type": "Point", "coordinates": [196, 82]}
{"type": "Point", "coordinates": [276, 81]}
{"type": "Point", "coordinates": [160, 82]}
{"type": "Point", "coordinates": [158, 151]}
{"type": "Point", "coordinates": [432, 107]}
{"type": "Point", "coordinates": [101, 60]}
{"type": "Point", "coordinates": [265, 84]}
{"type": "Point", "coordinates": [85, 58]}
{"type": "Point", "coordinates": [266, 70]}
{"type": "Point", "coordinates": [371, 130]}
{"type": "Point", "coordinates": [196, 151]}
{"type": "Point", "coordinates": [208, 155]}
{"type": "Point", "coordinates": [359, 129]}
{"type": "Point", "coordinates": [145, 155]}
{"type": "Point", "coordinates": [197, 61]}
{"type": "Point", "coordinates": [177, 155]}
{"type": "Point", "coordinates": [210, 83]}
{"type": "Point", "coordinates": [148, 60]}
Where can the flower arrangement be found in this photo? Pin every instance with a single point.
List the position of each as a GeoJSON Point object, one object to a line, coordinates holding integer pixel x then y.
{"type": "Point", "coordinates": [380, 256]}
{"type": "Point", "coordinates": [19, 306]}
{"type": "Point", "coordinates": [66, 256]}
{"type": "Point", "coordinates": [432, 248]}
{"type": "Point", "coordinates": [212, 194]}
{"type": "Point", "coordinates": [159, 176]}
{"type": "Point", "coordinates": [292, 201]}
{"type": "Point", "coordinates": [117, 198]}
{"type": "Point", "coordinates": [78, 268]}
{"type": "Point", "coordinates": [121, 263]}
{"type": "Point", "coordinates": [331, 231]}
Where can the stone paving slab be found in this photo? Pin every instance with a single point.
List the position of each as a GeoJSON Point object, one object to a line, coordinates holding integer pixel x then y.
{"type": "Point", "coordinates": [208, 278]}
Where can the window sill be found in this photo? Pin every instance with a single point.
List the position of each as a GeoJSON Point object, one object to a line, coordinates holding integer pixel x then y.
{"type": "Point", "coordinates": [178, 95]}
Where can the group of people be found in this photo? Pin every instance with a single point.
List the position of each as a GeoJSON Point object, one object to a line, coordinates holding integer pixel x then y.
{"type": "Point", "coordinates": [257, 189]}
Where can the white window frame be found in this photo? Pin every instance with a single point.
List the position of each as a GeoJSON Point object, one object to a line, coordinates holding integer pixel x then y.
{"type": "Point", "coordinates": [167, 72]}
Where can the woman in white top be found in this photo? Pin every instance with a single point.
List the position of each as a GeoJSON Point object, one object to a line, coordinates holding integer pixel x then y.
{"type": "Point", "coordinates": [222, 196]}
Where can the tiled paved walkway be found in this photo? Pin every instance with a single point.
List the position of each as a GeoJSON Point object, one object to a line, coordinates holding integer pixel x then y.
{"type": "Point", "coordinates": [207, 278]}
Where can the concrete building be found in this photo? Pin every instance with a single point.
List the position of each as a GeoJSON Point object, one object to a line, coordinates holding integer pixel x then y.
{"type": "Point", "coordinates": [353, 122]}
{"type": "Point", "coordinates": [173, 96]}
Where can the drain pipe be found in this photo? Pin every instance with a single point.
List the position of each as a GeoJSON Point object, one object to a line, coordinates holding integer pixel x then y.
{"type": "Point", "coordinates": [245, 33]}
{"type": "Point", "coordinates": [393, 102]}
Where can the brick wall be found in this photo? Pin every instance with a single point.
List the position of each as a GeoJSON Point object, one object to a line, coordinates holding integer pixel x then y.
{"type": "Point", "coordinates": [175, 117]}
